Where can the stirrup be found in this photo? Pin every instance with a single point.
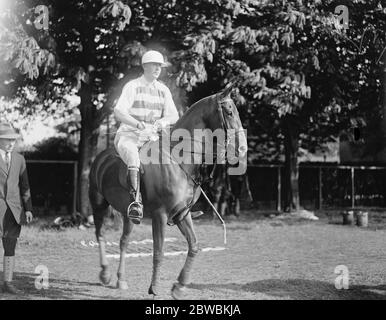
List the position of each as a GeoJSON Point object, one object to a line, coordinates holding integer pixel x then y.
{"type": "Point", "coordinates": [135, 213]}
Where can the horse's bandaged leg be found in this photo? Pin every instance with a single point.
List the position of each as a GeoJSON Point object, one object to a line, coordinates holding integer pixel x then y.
{"type": "Point", "coordinates": [158, 225]}
{"type": "Point", "coordinates": [184, 277]}
{"type": "Point", "coordinates": [121, 274]}
{"type": "Point", "coordinates": [186, 227]}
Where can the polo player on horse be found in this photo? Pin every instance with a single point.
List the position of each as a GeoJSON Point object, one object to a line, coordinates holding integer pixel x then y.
{"type": "Point", "coordinates": [170, 188]}
{"type": "Point", "coordinates": [144, 104]}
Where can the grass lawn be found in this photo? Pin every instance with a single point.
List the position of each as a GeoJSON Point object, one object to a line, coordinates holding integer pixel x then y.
{"type": "Point", "coordinates": [266, 257]}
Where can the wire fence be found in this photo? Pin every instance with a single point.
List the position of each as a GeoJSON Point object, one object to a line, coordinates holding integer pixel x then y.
{"type": "Point", "coordinates": [54, 186]}
{"type": "Point", "coordinates": [320, 186]}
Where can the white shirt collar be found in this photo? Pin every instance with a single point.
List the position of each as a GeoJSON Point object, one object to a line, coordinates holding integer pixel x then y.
{"type": "Point", "coordinates": [3, 152]}
{"type": "Point", "coordinates": [147, 83]}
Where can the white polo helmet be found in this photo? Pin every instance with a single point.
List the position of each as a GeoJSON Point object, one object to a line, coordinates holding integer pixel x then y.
{"type": "Point", "coordinates": [153, 56]}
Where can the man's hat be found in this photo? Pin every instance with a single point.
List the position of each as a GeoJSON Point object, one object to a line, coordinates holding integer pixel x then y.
{"type": "Point", "coordinates": [7, 132]}
{"type": "Point", "coordinates": [153, 56]}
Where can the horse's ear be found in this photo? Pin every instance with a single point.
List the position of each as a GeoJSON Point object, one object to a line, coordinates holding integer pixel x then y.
{"type": "Point", "coordinates": [227, 90]}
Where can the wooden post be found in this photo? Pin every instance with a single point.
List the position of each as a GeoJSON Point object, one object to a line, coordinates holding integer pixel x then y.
{"type": "Point", "coordinates": [352, 188]}
{"type": "Point", "coordinates": [108, 132]}
{"type": "Point", "coordinates": [75, 185]}
{"type": "Point", "coordinates": [278, 206]}
{"type": "Point", "coordinates": [320, 202]}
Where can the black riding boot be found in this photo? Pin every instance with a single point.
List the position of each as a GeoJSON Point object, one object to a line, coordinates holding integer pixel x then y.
{"type": "Point", "coordinates": [134, 211]}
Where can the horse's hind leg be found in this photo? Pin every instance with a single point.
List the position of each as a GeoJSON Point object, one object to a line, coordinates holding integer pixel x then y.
{"type": "Point", "coordinates": [186, 227]}
{"type": "Point", "coordinates": [158, 227]}
{"type": "Point", "coordinates": [100, 208]}
{"type": "Point", "coordinates": [127, 228]}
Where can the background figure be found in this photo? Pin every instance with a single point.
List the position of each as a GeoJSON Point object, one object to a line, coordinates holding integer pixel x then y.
{"type": "Point", "coordinates": [227, 190]}
{"type": "Point", "coordinates": [15, 201]}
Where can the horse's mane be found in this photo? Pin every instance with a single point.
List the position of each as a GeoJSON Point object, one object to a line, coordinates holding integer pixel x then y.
{"type": "Point", "coordinates": [193, 108]}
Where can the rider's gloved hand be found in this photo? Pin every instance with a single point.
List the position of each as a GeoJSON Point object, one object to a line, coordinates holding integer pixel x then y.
{"type": "Point", "coordinates": [141, 125]}
{"type": "Point", "coordinates": [159, 125]}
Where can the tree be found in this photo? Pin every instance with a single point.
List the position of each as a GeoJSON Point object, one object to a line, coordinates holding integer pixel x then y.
{"type": "Point", "coordinates": [91, 50]}
{"type": "Point", "coordinates": [293, 60]}
{"type": "Point", "coordinates": [299, 76]}
{"type": "Point", "coordinates": [78, 53]}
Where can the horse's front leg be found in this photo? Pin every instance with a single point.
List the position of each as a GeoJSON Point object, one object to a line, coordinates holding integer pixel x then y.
{"type": "Point", "coordinates": [158, 225]}
{"type": "Point", "coordinates": [186, 227]}
{"type": "Point", "coordinates": [127, 228]}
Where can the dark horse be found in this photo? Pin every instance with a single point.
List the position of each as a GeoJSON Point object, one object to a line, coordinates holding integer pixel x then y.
{"type": "Point", "coordinates": [169, 190]}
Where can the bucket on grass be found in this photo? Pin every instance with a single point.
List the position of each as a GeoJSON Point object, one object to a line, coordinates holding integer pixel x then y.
{"type": "Point", "coordinates": [362, 219]}
{"type": "Point", "coordinates": [348, 217]}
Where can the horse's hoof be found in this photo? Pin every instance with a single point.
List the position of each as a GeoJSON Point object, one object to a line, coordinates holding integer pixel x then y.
{"type": "Point", "coordinates": [122, 285]}
{"type": "Point", "coordinates": [105, 277]}
{"type": "Point", "coordinates": [178, 291]}
{"type": "Point", "coordinates": [153, 290]}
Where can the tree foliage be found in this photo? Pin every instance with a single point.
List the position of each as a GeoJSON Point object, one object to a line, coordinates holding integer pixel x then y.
{"type": "Point", "coordinates": [301, 77]}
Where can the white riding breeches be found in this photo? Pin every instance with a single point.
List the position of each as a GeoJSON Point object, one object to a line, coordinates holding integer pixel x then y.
{"type": "Point", "coordinates": [128, 144]}
{"type": "Point", "coordinates": [127, 147]}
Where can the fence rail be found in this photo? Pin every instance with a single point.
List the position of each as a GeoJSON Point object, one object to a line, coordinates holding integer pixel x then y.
{"type": "Point", "coordinates": [318, 186]}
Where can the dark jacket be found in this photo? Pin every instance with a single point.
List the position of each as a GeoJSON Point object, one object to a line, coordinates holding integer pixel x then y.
{"type": "Point", "coordinates": [14, 188]}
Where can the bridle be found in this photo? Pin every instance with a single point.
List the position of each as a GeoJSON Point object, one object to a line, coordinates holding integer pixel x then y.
{"type": "Point", "coordinates": [222, 117]}
{"type": "Point", "coordinates": [224, 127]}
{"type": "Point", "coordinates": [221, 111]}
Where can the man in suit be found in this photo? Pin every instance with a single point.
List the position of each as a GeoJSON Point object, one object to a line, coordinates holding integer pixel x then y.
{"type": "Point", "coordinates": [15, 200]}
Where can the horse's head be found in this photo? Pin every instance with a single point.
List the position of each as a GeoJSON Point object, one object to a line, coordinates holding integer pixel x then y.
{"type": "Point", "coordinates": [224, 115]}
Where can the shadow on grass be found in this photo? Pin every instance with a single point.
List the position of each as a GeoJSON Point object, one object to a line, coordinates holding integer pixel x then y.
{"type": "Point", "coordinates": [290, 289]}
{"type": "Point", "coordinates": [61, 289]}
{"type": "Point", "coordinates": [301, 289]}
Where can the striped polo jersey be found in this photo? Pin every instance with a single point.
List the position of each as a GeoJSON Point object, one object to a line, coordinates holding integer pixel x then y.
{"type": "Point", "coordinates": [146, 102]}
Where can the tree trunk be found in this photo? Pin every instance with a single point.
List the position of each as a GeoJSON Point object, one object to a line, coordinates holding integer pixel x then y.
{"type": "Point", "coordinates": [382, 156]}
{"type": "Point", "coordinates": [87, 147]}
{"type": "Point", "coordinates": [383, 93]}
{"type": "Point", "coordinates": [291, 177]}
